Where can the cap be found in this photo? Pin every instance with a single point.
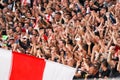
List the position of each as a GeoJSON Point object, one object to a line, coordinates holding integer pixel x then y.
{"type": "Point", "coordinates": [23, 30]}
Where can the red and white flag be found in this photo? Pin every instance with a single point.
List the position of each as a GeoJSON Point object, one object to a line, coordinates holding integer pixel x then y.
{"type": "Point", "coordinates": [25, 2]}
{"type": "Point", "coordinates": [17, 66]}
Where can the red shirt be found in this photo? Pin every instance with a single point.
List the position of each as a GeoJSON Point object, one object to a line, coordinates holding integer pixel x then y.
{"type": "Point", "coordinates": [116, 50]}
{"type": "Point", "coordinates": [45, 37]}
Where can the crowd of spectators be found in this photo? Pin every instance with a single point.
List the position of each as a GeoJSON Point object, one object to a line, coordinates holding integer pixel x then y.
{"type": "Point", "coordinates": [84, 34]}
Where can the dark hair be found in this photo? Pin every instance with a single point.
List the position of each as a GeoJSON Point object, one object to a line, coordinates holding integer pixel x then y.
{"type": "Point", "coordinates": [96, 66]}
{"type": "Point", "coordinates": [112, 44]}
{"type": "Point", "coordinates": [105, 63]}
{"type": "Point", "coordinates": [106, 8]}
{"type": "Point", "coordinates": [74, 11]}
{"type": "Point", "coordinates": [58, 13]}
{"type": "Point", "coordinates": [115, 59]}
{"type": "Point", "coordinates": [58, 6]}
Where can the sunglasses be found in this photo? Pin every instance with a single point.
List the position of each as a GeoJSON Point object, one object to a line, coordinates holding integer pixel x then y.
{"type": "Point", "coordinates": [24, 38]}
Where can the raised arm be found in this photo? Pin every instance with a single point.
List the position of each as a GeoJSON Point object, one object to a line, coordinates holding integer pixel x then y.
{"type": "Point", "coordinates": [118, 66]}
{"type": "Point", "coordinates": [109, 58]}
{"type": "Point", "coordinates": [113, 37]}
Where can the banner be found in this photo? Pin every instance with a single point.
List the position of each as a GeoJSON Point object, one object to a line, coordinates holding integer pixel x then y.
{"type": "Point", "coordinates": [18, 66]}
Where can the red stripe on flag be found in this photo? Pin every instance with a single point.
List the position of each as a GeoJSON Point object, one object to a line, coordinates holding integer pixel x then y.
{"type": "Point", "coordinates": [26, 67]}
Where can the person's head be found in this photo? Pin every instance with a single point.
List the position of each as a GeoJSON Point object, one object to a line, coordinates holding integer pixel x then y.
{"type": "Point", "coordinates": [29, 50]}
{"type": "Point", "coordinates": [11, 40]}
{"type": "Point", "coordinates": [79, 15]}
{"type": "Point", "coordinates": [57, 15]}
{"type": "Point", "coordinates": [45, 1]}
{"type": "Point", "coordinates": [73, 13]}
{"type": "Point", "coordinates": [28, 14]}
{"type": "Point", "coordinates": [15, 24]}
{"type": "Point", "coordinates": [107, 1]}
{"type": "Point", "coordinates": [41, 31]}
{"type": "Point", "coordinates": [87, 60]}
{"type": "Point", "coordinates": [23, 31]}
{"type": "Point", "coordinates": [20, 24]}
{"type": "Point", "coordinates": [104, 64]}
{"type": "Point", "coordinates": [86, 3]}
{"type": "Point", "coordinates": [45, 4]}
{"type": "Point", "coordinates": [24, 39]}
{"type": "Point", "coordinates": [83, 11]}
{"type": "Point", "coordinates": [100, 1]}
{"type": "Point", "coordinates": [53, 50]}
{"type": "Point", "coordinates": [67, 17]}
{"type": "Point", "coordinates": [58, 7]}
{"type": "Point", "coordinates": [66, 5]}
{"type": "Point", "coordinates": [69, 47]}
{"type": "Point", "coordinates": [118, 41]}
{"type": "Point", "coordinates": [93, 69]}
{"type": "Point", "coordinates": [5, 10]}
{"type": "Point", "coordinates": [58, 2]}
{"type": "Point", "coordinates": [74, 17]}
{"type": "Point", "coordinates": [70, 62]}
{"type": "Point", "coordinates": [62, 52]}
{"type": "Point", "coordinates": [10, 31]}
{"type": "Point", "coordinates": [26, 25]}
{"type": "Point", "coordinates": [91, 3]}
{"type": "Point", "coordinates": [35, 32]}
{"type": "Point", "coordinates": [112, 49]}
{"type": "Point", "coordinates": [61, 43]}
{"type": "Point", "coordinates": [30, 29]}
{"type": "Point", "coordinates": [82, 22]}
{"type": "Point", "coordinates": [103, 10]}
{"type": "Point", "coordinates": [23, 10]}
{"type": "Point", "coordinates": [87, 16]}
{"type": "Point", "coordinates": [49, 10]}
{"type": "Point", "coordinates": [18, 29]}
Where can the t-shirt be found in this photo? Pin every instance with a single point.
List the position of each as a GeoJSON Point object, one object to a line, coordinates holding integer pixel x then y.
{"type": "Point", "coordinates": [5, 1]}
{"type": "Point", "coordinates": [24, 46]}
{"type": "Point", "coordinates": [105, 73]}
{"type": "Point", "coordinates": [116, 50]}
{"type": "Point", "coordinates": [49, 18]}
{"type": "Point", "coordinates": [94, 76]}
{"type": "Point", "coordinates": [1, 6]}
{"type": "Point", "coordinates": [114, 73]}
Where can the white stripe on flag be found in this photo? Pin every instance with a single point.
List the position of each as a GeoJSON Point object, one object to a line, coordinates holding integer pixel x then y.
{"type": "Point", "coordinates": [56, 71]}
{"type": "Point", "coordinates": [5, 64]}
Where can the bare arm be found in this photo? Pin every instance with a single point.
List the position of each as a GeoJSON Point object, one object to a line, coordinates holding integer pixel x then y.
{"type": "Point", "coordinates": [109, 58]}
{"type": "Point", "coordinates": [118, 66]}
{"type": "Point", "coordinates": [42, 14]}
{"type": "Point", "coordinates": [108, 45]}
{"type": "Point", "coordinates": [113, 37]}
{"type": "Point", "coordinates": [88, 43]}
{"type": "Point", "coordinates": [89, 49]}
{"type": "Point", "coordinates": [92, 56]}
